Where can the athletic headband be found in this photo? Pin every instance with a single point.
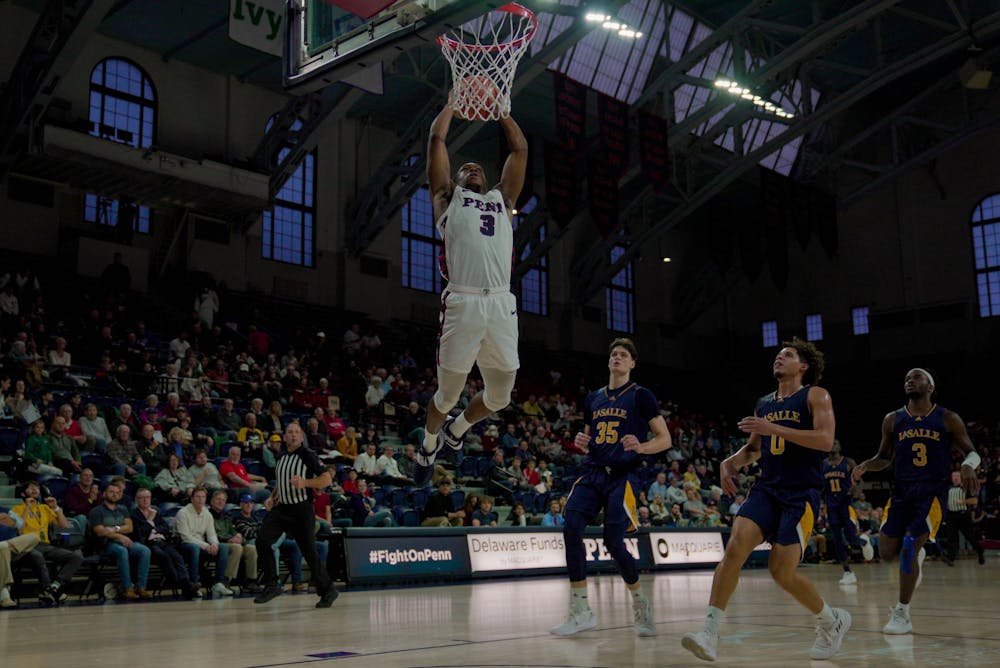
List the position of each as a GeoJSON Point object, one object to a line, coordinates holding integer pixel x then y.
{"type": "Point", "coordinates": [927, 373]}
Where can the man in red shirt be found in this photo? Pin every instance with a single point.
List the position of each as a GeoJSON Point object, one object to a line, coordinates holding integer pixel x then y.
{"type": "Point", "coordinates": [335, 427]}
{"type": "Point", "coordinates": [236, 476]}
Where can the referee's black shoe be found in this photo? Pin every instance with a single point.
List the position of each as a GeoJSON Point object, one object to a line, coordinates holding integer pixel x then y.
{"type": "Point", "coordinates": [269, 593]}
{"type": "Point", "coordinates": [327, 599]}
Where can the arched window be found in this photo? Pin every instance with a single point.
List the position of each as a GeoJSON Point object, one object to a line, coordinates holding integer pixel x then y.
{"type": "Point", "coordinates": [986, 250]}
{"type": "Point", "coordinates": [535, 282]}
{"type": "Point", "coordinates": [122, 109]}
{"type": "Point", "coordinates": [422, 247]}
{"type": "Point", "coordinates": [288, 232]}
{"type": "Point", "coordinates": [621, 296]}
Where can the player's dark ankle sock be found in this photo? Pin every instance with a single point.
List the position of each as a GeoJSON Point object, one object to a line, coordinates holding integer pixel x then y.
{"type": "Point", "coordinates": [847, 569]}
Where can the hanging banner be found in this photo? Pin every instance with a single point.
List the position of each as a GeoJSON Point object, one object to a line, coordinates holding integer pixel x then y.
{"type": "Point", "coordinates": [602, 189]}
{"type": "Point", "coordinates": [258, 24]}
{"type": "Point", "coordinates": [571, 114]}
{"type": "Point", "coordinates": [654, 150]}
{"type": "Point", "coordinates": [612, 117]}
{"type": "Point", "coordinates": [560, 185]}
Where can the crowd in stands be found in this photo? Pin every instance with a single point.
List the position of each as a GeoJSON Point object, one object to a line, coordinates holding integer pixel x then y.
{"type": "Point", "coordinates": [135, 445]}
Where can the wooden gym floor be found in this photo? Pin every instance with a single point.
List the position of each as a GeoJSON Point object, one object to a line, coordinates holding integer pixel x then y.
{"type": "Point", "coordinates": [956, 618]}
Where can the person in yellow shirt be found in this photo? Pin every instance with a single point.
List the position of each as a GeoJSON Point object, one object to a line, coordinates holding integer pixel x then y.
{"type": "Point", "coordinates": [38, 518]}
{"type": "Point", "coordinates": [347, 445]}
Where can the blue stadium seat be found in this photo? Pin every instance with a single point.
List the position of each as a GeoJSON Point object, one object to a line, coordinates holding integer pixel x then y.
{"type": "Point", "coordinates": [418, 498]}
{"type": "Point", "coordinates": [458, 498]}
{"type": "Point", "coordinates": [484, 467]}
{"type": "Point", "coordinates": [169, 509]}
{"type": "Point", "coordinates": [397, 497]}
{"type": "Point", "coordinates": [56, 484]}
{"type": "Point", "coordinates": [540, 503]}
{"type": "Point", "coordinates": [95, 463]}
{"type": "Point", "coordinates": [411, 518]}
{"type": "Point", "coordinates": [399, 513]}
{"type": "Point", "coordinates": [470, 467]}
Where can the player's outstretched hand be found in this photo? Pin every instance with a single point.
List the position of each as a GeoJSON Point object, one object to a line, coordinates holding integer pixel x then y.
{"type": "Point", "coordinates": [630, 442]}
{"type": "Point", "coordinates": [858, 471]}
{"type": "Point", "coordinates": [755, 425]}
{"type": "Point", "coordinates": [582, 441]}
{"type": "Point", "coordinates": [969, 480]}
{"type": "Point", "coordinates": [727, 473]}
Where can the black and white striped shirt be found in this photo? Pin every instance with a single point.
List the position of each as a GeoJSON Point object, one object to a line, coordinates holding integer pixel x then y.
{"type": "Point", "coordinates": [304, 463]}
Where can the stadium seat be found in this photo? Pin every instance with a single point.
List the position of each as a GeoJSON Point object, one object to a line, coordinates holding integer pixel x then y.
{"type": "Point", "coordinates": [411, 518]}
{"type": "Point", "coordinates": [57, 485]}
{"type": "Point", "coordinates": [458, 498]}
{"type": "Point", "coordinates": [418, 498]}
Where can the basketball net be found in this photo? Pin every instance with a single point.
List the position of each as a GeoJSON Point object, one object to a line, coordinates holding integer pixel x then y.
{"type": "Point", "coordinates": [484, 55]}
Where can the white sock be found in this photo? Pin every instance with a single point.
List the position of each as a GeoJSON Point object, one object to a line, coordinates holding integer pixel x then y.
{"type": "Point", "coordinates": [713, 617]}
{"type": "Point", "coordinates": [460, 425]}
{"type": "Point", "coordinates": [578, 599]}
{"type": "Point", "coordinates": [637, 595]}
{"type": "Point", "coordinates": [826, 616]}
{"type": "Point", "coordinates": [430, 442]}
{"type": "Point", "coordinates": [905, 607]}
{"type": "Point", "coordinates": [4, 545]}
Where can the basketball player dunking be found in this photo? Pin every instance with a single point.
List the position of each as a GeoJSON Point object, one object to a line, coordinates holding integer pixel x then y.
{"type": "Point", "coordinates": [840, 514]}
{"type": "Point", "coordinates": [617, 418]}
{"type": "Point", "coordinates": [917, 441]}
{"type": "Point", "coordinates": [789, 431]}
{"type": "Point", "coordinates": [478, 311]}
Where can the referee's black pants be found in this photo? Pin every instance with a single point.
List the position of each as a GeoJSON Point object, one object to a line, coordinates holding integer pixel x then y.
{"type": "Point", "coordinates": [961, 523]}
{"type": "Point", "coordinates": [298, 522]}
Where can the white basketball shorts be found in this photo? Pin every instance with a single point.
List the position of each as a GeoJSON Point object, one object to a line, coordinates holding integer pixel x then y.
{"type": "Point", "coordinates": [477, 326]}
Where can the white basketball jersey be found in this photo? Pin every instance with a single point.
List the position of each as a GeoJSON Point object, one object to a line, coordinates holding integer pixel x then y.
{"type": "Point", "coordinates": [478, 240]}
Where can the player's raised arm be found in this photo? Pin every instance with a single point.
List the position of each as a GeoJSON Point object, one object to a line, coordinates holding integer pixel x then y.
{"type": "Point", "coordinates": [438, 162]}
{"type": "Point", "coordinates": [885, 449]}
{"type": "Point", "coordinates": [960, 439]}
{"type": "Point", "coordinates": [512, 178]}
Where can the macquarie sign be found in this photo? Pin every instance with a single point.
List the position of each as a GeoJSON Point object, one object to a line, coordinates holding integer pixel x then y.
{"type": "Point", "coordinates": [686, 548]}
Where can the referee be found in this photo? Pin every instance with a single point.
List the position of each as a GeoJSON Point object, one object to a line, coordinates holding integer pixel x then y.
{"type": "Point", "coordinates": [960, 521]}
{"type": "Point", "coordinates": [291, 513]}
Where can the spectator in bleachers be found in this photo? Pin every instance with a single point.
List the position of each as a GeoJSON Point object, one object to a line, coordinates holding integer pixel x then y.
{"type": "Point", "coordinates": [347, 445]}
{"type": "Point", "coordinates": [257, 409]}
{"type": "Point", "coordinates": [676, 520]}
{"type": "Point", "coordinates": [152, 412]}
{"type": "Point", "coordinates": [123, 455]}
{"type": "Point", "coordinates": [38, 451]}
{"type": "Point", "coordinates": [152, 531]}
{"type": "Point", "coordinates": [516, 472]}
{"type": "Point", "coordinates": [17, 403]}
{"type": "Point", "coordinates": [501, 481]}
{"type": "Point", "coordinates": [40, 518]}
{"type": "Point", "coordinates": [203, 417]}
{"type": "Point", "coordinates": [658, 509]}
{"type": "Point", "coordinates": [12, 548]}
{"type": "Point", "coordinates": [153, 454]}
{"type": "Point", "coordinates": [470, 507]}
{"type": "Point", "coordinates": [174, 482]}
{"type": "Point", "coordinates": [112, 527]}
{"type": "Point", "coordinates": [179, 345]}
{"type": "Point", "coordinates": [207, 305]}
{"type": "Point", "coordinates": [171, 411]}
{"type": "Point", "coordinates": [510, 439]}
{"type": "Point", "coordinates": [675, 492]}
{"type": "Point", "coordinates": [366, 463]}
{"type": "Point", "coordinates": [370, 436]}
{"type": "Point", "coordinates": [258, 342]}
{"type": "Point", "coordinates": [412, 420]}
{"type": "Point", "coordinates": [440, 510]}
{"type": "Point", "coordinates": [232, 539]}
{"type": "Point", "coordinates": [335, 426]}
{"type": "Point", "coordinates": [204, 472]}
{"type": "Point", "coordinates": [351, 482]}
{"type": "Point", "coordinates": [484, 515]}
{"type": "Point", "coordinates": [94, 426]}
{"type": "Point", "coordinates": [374, 395]}
{"type": "Point", "coordinates": [65, 451]}
{"type": "Point", "coordinates": [645, 517]}
{"type": "Point", "coordinates": [250, 438]}
{"type": "Point", "coordinates": [553, 518]}
{"type": "Point", "coordinates": [389, 468]}
{"type": "Point", "coordinates": [518, 516]}
{"type": "Point", "coordinates": [531, 408]}
{"type": "Point", "coordinates": [317, 438]}
{"type": "Point", "coordinates": [352, 340]}
{"type": "Point", "coordinates": [235, 475]}
{"type": "Point", "coordinates": [658, 486]}
{"type": "Point", "coordinates": [83, 497]}
{"type": "Point", "coordinates": [126, 417]}
{"type": "Point", "coordinates": [227, 421]}
{"type": "Point", "coordinates": [694, 507]}
{"type": "Point", "coordinates": [74, 430]}
{"type": "Point", "coordinates": [196, 527]}
{"type": "Point", "coordinates": [365, 512]}
{"type": "Point", "coordinates": [271, 422]}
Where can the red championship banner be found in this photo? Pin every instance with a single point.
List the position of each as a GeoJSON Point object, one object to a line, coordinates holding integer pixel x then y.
{"type": "Point", "coordinates": [602, 187]}
{"type": "Point", "coordinates": [560, 185]}
{"type": "Point", "coordinates": [654, 150]}
{"type": "Point", "coordinates": [612, 116]}
{"type": "Point", "coordinates": [571, 114]}
{"type": "Point", "coordinates": [363, 8]}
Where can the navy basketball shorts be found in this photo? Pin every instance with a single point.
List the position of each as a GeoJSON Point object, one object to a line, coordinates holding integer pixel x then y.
{"type": "Point", "coordinates": [615, 493]}
{"type": "Point", "coordinates": [785, 517]}
{"type": "Point", "coordinates": [915, 508]}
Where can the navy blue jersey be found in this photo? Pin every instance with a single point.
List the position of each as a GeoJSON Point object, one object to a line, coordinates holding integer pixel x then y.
{"type": "Point", "coordinates": [837, 481]}
{"type": "Point", "coordinates": [611, 415]}
{"type": "Point", "coordinates": [785, 464]}
{"type": "Point", "coordinates": [922, 446]}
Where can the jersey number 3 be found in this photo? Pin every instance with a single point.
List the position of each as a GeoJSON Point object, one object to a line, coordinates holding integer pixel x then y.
{"type": "Point", "coordinates": [919, 454]}
{"type": "Point", "coordinates": [488, 228]}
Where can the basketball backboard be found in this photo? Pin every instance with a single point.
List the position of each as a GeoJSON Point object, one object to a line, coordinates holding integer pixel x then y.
{"type": "Point", "coordinates": [326, 44]}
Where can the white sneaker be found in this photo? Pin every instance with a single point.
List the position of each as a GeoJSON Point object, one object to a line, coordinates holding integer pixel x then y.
{"type": "Point", "coordinates": [849, 578]}
{"type": "Point", "coordinates": [867, 551]}
{"type": "Point", "coordinates": [829, 638]}
{"type": "Point", "coordinates": [899, 622]}
{"type": "Point", "coordinates": [583, 620]}
{"type": "Point", "coordinates": [643, 611]}
{"type": "Point", "coordinates": [5, 600]}
{"type": "Point", "coordinates": [702, 644]}
{"type": "Point", "coordinates": [921, 555]}
{"type": "Point", "coordinates": [220, 589]}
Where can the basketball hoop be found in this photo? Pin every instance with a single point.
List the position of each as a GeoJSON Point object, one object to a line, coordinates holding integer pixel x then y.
{"type": "Point", "coordinates": [484, 55]}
